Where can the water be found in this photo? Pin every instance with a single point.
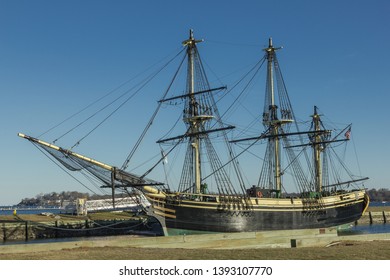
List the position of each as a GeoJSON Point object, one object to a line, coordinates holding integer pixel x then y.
{"type": "Point", "coordinates": [365, 229]}
{"type": "Point", "coordinates": [368, 229]}
{"type": "Point", "coordinates": [9, 210]}
{"type": "Point", "coordinates": [385, 203]}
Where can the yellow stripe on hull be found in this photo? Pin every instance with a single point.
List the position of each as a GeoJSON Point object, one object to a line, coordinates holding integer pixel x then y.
{"type": "Point", "coordinates": [267, 204]}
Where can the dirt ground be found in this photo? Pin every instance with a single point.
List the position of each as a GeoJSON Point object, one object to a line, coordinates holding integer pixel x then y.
{"type": "Point", "coordinates": [374, 250]}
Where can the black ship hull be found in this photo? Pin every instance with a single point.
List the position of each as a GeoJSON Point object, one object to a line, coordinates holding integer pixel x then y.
{"type": "Point", "coordinates": [241, 221]}
{"type": "Point", "coordinates": [204, 217]}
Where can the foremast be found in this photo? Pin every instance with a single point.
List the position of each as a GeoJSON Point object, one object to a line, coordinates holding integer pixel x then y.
{"type": "Point", "coordinates": [192, 116]}
{"type": "Point", "coordinates": [202, 164]}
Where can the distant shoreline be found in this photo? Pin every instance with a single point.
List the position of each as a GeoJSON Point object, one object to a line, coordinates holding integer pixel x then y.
{"type": "Point", "coordinates": [12, 207]}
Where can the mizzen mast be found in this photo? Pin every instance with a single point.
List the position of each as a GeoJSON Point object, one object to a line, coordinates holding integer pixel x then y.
{"type": "Point", "coordinates": [317, 147]}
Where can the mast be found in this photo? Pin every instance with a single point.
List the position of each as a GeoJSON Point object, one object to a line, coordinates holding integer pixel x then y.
{"type": "Point", "coordinates": [193, 118]}
{"type": "Point", "coordinates": [199, 111]}
{"type": "Point", "coordinates": [317, 147]}
{"type": "Point", "coordinates": [271, 120]}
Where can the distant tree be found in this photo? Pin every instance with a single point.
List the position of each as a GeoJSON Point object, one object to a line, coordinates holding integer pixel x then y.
{"type": "Point", "coordinates": [379, 195]}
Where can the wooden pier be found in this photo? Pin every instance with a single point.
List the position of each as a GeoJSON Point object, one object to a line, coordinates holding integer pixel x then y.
{"type": "Point", "coordinates": [30, 227]}
{"type": "Point", "coordinates": [375, 215]}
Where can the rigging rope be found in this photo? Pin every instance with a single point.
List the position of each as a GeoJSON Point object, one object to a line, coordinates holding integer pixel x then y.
{"type": "Point", "coordinates": [82, 229]}
{"type": "Point", "coordinates": [132, 152]}
{"type": "Point", "coordinates": [213, 105]}
{"type": "Point", "coordinates": [163, 157]}
{"type": "Point", "coordinates": [258, 65]}
{"type": "Point", "coordinates": [121, 105]}
{"type": "Point", "coordinates": [63, 169]}
{"type": "Point", "coordinates": [239, 154]}
{"type": "Point", "coordinates": [101, 98]}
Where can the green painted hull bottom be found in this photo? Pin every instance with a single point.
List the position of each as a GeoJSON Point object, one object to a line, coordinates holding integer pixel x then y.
{"type": "Point", "coordinates": [174, 232]}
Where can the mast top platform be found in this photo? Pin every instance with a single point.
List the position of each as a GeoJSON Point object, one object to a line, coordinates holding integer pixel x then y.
{"type": "Point", "coordinates": [271, 48]}
{"type": "Point", "coordinates": [191, 40]}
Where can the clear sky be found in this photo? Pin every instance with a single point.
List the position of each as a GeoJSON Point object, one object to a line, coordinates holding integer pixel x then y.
{"type": "Point", "coordinates": [58, 56]}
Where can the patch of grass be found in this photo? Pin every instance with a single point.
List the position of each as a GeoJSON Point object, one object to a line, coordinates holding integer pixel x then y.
{"type": "Point", "coordinates": [348, 250]}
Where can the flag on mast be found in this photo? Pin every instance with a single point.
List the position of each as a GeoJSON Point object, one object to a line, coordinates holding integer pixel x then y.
{"type": "Point", "coordinates": [348, 133]}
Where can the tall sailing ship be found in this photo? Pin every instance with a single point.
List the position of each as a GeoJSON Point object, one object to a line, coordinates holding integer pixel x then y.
{"type": "Point", "coordinates": [207, 198]}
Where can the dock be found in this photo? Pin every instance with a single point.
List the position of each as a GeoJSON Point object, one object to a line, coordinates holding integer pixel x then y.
{"type": "Point", "coordinates": [50, 226]}
{"type": "Point", "coordinates": [375, 215]}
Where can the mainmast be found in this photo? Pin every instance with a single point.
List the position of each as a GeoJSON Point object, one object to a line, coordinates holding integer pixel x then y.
{"type": "Point", "coordinates": [270, 117]}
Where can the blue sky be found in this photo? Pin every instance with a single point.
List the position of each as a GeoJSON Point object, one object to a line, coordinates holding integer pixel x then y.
{"type": "Point", "coordinates": [58, 56]}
